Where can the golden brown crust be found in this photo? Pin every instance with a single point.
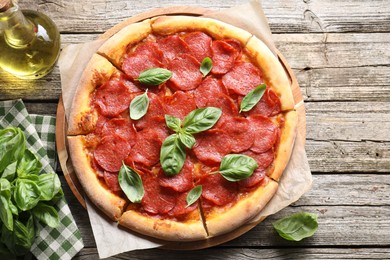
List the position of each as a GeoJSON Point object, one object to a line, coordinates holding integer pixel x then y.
{"type": "Point", "coordinates": [164, 228]}
{"type": "Point", "coordinates": [115, 48]}
{"type": "Point", "coordinates": [166, 25]}
{"type": "Point", "coordinates": [273, 72]}
{"type": "Point", "coordinates": [220, 222]}
{"type": "Point", "coordinates": [112, 205]}
{"type": "Point", "coordinates": [286, 144]}
{"type": "Point", "coordinates": [82, 119]}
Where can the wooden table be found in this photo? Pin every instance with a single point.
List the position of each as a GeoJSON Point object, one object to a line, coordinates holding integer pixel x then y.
{"type": "Point", "coordinates": [340, 53]}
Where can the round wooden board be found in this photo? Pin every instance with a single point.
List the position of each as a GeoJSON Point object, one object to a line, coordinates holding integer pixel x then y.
{"type": "Point", "coordinates": [61, 127]}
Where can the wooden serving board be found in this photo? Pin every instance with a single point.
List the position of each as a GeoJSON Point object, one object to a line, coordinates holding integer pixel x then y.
{"type": "Point", "coordinates": [61, 126]}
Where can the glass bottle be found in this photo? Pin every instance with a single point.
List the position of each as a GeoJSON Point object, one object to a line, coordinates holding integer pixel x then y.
{"type": "Point", "coordinates": [29, 41]}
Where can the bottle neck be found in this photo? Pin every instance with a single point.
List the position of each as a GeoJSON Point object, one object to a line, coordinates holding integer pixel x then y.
{"type": "Point", "coordinates": [18, 30]}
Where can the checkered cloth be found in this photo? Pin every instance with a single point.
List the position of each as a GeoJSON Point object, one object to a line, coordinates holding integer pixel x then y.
{"type": "Point", "coordinates": [64, 241]}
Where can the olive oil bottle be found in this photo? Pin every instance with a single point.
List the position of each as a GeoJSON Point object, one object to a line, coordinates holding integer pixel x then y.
{"type": "Point", "coordinates": [29, 41]}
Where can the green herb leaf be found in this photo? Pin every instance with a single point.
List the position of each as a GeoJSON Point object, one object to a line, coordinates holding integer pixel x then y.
{"type": "Point", "coordinates": [131, 183]}
{"type": "Point", "coordinates": [206, 66]}
{"type": "Point", "coordinates": [5, 209]}
{"type": "Point", "coordinates": [12, 146]}
{"type": "Point", "coordinates": [172, 155]}
{"type": "Point", "coordinates": [9, 172]}
{"type": "Point", "coordinates": [193, 195]}
{"type": "Point", "coordinates": [187, 139]}
{"type": "Point", "coordinates": [49, 184]}
{"type": "Point", "coordinates": [235, 167]}
{"type": "Point", "coordinates": [154, 76]}
{"type": "Point", "coordinates": [46, 214]}
{"type": "Point", "coordinates": [252, 98]}
{"type": "Point", "coordinates": [297, 226]}
{"type": "Point", "coordinates": [24, 235]}
{"type": "Point", "coordinates": [201, 119]}
{"type": "Point", "coordinates": [173, 123]}
{"type": "Point", "coordinates": [139, 106]}
{"type": "Point", "coordinates": [26, 194]}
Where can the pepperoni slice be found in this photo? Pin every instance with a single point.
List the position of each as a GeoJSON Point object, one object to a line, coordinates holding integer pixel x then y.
{"type": "Point", "coordinates": [218, 190]}
{"type": "Point", "coordinates": [181, 208]}
{"type": "Point", "coordinates": [112, 98]}
{"type": "Point", "coordinates": [199, 44]}
{"type": "Point", "coordinates": [242, 78]}
{"type": "Point", "coordinates": [223, 55]}
{"type": "Point", "coordinates": [111, 151]}
{"type": "Point", "coordinates": [122, 127]}
{"type": "Point", "coordinates": [208, 89]}
{"type": "Point", "coordinates": [186, 73]}
{"type": "Point", "coordinates": [172, 46]}
{"type": "Point", "coordinates": [180, 182]}
{"type": "Point", "coordinates": [269, 105]}
{"type": "Point", "coordinates": [111, 180]}
{"type": "Point", "coordinates": [179, 104]}
{"type": "Point", "coordinates": [252, 181]}
{"type": "Point", "coordinates": [133, 65]}
{"type": "Point", "coordinates": [263, 159]}
{"type": "Point", "coordinates": [211, 146]}
{"type": "Point", "coordinates": [155, 111]}
{"type": "Point", "coordinates": [146, 150]}
{"type": "Point", "coordinates": [266, 133]}
{"type": "Point", "coordinates": [240, 133]}
{"type": "Point", "coordinates": [157, 199]}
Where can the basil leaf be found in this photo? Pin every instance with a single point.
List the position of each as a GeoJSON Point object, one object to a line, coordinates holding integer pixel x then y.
{"type": "Point", "coordinates": [24, 236]}
{"type": "Point", "coordinates": [187, 139]}
{"type": "Point", "coordinates": [297, 226]}
{"type": "Point", "coordinates": [131, 183]}
{"type": "Point", "coordinates": [252, 98]}
{"type": "Point", "coordinates": [172, 155]}
{"type": "Point", "coordinates": [26, 194]}
{"type": "Point", "coordinates": [193, 195]}
{"type": "Point", "coordinates": [173, 123]}
{"type": "Point", "coordinates": [12, 146]}
{"type": "Point", "coordinates": [201, 119]}
{"type": "Point", "coordinates": [5, 209]}
{"type": "Point", "coordinates": [235, 167]}
{"type": "Point", "coordinates": [46, 214]}
{"type": "Point", "coordinates": [154, 76]}
{"type": "Point", "coordinates": [49, 184]}
{"type": "Point", "coordinates": [139, 106]}
{"type": "Point", "coordinates": [9, 172]}
{"type": "Point", "coordinates": [29, 164]}
{"type": "Point", "coordinates": [206, 66]}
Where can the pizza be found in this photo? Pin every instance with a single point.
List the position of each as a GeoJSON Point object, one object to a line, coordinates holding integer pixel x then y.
{"type": "Point", "coordinates": [181, 127]}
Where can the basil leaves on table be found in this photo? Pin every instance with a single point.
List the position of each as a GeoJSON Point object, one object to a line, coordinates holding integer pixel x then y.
{"type": "Point", "coordinates": [131, 183]}
{"type": "Point", "coordinates": [252, 98]}
{"type": "Point", "coordinates": [297, 226]}
{"type": "Point", "coordinates": [193, 195]}
{"type": "Point", "coordinates": [139, 106]}
{"type": "Point", "coordinates": [172, 154]}
{"type": "Point", "coordinates": [154, 76]}
{"type": "Point", "coordinates": [206, 66]}
{"type": "Point", "coordinates": [235, 167]}
{"type": "Point", "coordinates": [26, 196]}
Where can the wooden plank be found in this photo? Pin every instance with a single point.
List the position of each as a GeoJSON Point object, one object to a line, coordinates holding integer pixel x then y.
{"type": "Point", "coordinates": [248, 253]}
{"type": "Point", "coordinates": [284, 16]}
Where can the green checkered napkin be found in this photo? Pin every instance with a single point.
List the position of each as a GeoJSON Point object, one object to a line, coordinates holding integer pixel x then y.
{"type": "Point", "coordinates": [64, 241]}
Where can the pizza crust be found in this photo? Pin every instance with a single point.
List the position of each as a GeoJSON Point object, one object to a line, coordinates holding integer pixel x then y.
{"type": "Point", "coordinates": [82, 119]}
{"type": "Point", "coordinates": [166, 25]}
{"type": "Point", "coordinates": [286, 144]}
{"type": "Point", "coordinates": [165, 229]}
{"type": "Point", "coordinates": [273, 72]}
{"type": "Point", "coordinates": [222, 221]}
{"type": "Point", "coordinates": [115, 47]}
{"type": "Point", "coordinates": [112, 205]}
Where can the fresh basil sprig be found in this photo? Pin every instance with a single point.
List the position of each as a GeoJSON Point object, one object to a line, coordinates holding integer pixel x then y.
{"type": "Point", "coordinates": [154, 76]}
{"type": "Point", "coordinates": [139, 106]}
{"type": "Point", "coordinates": [131, 183]}
{"type": "Point", "coordinates": [206, 66]}
{"type": "Point", "coordinates": [252, 98]}
{"type": "Point", "coordinates": [297, 226]}
{"type": "Point", "coordinates": [236, 167]}
{"type": "Point", "coordinates": [172, 154]}
{"type": "Point", "coordinates": [193, 195]}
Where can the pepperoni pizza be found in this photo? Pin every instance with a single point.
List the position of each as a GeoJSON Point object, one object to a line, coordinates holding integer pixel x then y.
{"type": "Point", "coordinates": [104, 138]}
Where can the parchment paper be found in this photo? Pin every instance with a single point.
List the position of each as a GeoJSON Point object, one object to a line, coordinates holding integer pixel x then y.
{"type": "Point", "coordinates": [296, 179]}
